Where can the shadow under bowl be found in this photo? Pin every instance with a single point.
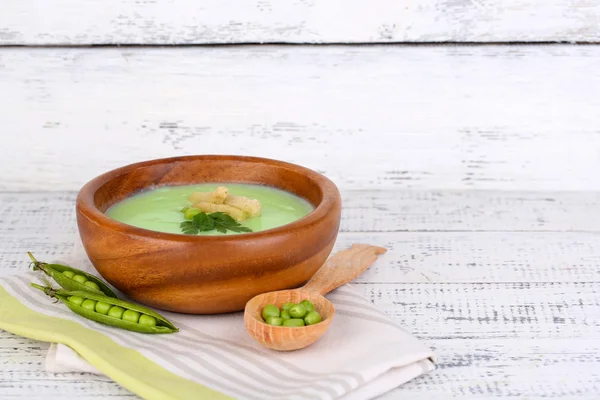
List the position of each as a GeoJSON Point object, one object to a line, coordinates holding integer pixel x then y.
{"type": "Point", "coordinates": [206, 274]}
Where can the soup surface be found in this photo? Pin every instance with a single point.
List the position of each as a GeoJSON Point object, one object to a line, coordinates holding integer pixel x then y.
{"type": "Point", "coordinates": [160, 209]}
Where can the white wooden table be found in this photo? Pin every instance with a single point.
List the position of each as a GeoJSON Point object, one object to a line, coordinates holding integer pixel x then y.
{"type": "Point", "coordinates": [476, 165]}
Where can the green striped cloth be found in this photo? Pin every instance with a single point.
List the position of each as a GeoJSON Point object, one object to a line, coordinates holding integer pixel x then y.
{"type": "Point", "coordinates": [363, 355]}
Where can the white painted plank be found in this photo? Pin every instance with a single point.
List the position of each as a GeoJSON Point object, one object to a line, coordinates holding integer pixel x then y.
{"type": "Point", "coordinates": [497, 117]}
{"type": "Point", "coordinates": [412, 257]}
{"type": "Point", "coordinates": [467, 210]}
{"type": "Point", "coordinates": [369, 211]}
{"type": "Point", "coordinates": [491, 310]}
{"type": "Point", "coordinates": [46, 222]}
{"type": "Point", "coordinates": [523, 364]}
{"type": "Point", "coordinates": [520, 368]}
{"type": "Point", "coordinates": [466, 368]}
{"type": "Point", "coordinates": [22, 375]}
{"type": "Point", "coordinates": [37, 22]}
{"type": "Point", "coordinates": [482, 257]}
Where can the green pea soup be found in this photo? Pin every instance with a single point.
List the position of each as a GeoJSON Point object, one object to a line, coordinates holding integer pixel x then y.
{"type": "Point", "coordinates": [159, 209]}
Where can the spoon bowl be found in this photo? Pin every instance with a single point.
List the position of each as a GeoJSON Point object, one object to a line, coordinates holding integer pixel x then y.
{"type": "Point", "coordinates": [340, 269]}
{"type": "Point", "coordinates": [284, 338]}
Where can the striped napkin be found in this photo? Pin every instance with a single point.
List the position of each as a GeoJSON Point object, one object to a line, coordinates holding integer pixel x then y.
{"type": "Point", "coordinates": [363, 355]}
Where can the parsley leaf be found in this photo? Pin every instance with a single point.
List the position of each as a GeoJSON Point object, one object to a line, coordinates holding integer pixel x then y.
{"type": "Point", "coordinates": [204, 222]}
{"type": "Point", "coordinates": [220, 221]}
{"type": "Point", "coordinates": [188, 228]}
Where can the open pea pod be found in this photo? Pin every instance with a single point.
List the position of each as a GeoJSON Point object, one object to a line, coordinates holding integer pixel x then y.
{"type": "Point", "coordinates": [163, 325]}
{"type": "Point", "coordinates": [66, 281]}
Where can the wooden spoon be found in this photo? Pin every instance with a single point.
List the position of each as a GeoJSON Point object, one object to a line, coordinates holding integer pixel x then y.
{"type": "Point", "coordinates": [339, 269]}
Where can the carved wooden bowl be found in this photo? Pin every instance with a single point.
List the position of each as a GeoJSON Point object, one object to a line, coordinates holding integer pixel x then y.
{"type": "Point", "coordinates": [206, 274]}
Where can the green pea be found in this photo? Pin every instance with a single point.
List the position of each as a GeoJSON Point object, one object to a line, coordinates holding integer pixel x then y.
{"type": "Point", "coordinates": [116, 312]}
{"type": "Point", "coordinates": [76, 300]}
{"type": "Point", "coordinates": [147, 320]}
{"type": "Point", "coordinates": [191, 213]}
{"type": "Point", "coordinates": [285, 314]}
{"type": "Point", "coordinates": [72, 279]}
{"type": "Point", "coordinates": [89, 304]}
{"type": "Point", "coordinates": [286, 306]}
{"type": "Point", "coordinates": [121, 314]}
{"type": "Point", "coordinates": [102, 308]}
{"type": "Point", "coordinates": [308, 305]}
{"type": "Point", "coordinates": [131, 316]}
{"type": "Point", "coordinates": [276, 321]}
{"type": "Point", "coordinates": [92, 284]}
{"type": "Point", "coordinates": [293, 322]}
{"type": "Point", "coordinates": [270, 311]}
{"type": "Point", "coordinates": [312, 318]}
{"type": "Point", "coordinates": [297, 311]}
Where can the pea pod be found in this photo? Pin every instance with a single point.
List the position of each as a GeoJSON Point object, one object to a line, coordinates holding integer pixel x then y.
{"type": "Point", "coordinates": [64, 276]}
{"type": "Point", "coordinates": [124, 316]}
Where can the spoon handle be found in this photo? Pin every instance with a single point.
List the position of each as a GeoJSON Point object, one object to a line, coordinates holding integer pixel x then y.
{"type": "Point", "coordinates": [343, 267]}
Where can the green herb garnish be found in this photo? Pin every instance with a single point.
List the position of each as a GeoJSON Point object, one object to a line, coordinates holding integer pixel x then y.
{"type": "Point", "coordinates": [220, 221]}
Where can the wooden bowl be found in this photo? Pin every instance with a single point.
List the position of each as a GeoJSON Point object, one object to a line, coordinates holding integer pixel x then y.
{"type": "Point", "coordinates": [206, 274]}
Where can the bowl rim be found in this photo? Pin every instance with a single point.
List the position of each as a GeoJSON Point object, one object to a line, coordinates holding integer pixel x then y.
{"type": "Point", "coordinates": [86, 207]}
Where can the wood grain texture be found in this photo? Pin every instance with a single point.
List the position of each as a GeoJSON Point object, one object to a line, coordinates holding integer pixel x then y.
{"type": "Point", "coordinates": [491, 310]}
{"type": "Point", "coordinates": [469, 369]}
{"type": "Point", "coordinates": [493, 340]}
{"type": "Point", "coordinates": [36, 22]}
{"type": "Point", "coordinates": [512, 249]}
{"type": "Point", "coordinates": [370, 211]}
{"type": "Point", "coordinates": [415, 257]}
{"type": "Point", "coordinates": [507, 118]}
{"type": "Point", "coordinates": [519, 368]}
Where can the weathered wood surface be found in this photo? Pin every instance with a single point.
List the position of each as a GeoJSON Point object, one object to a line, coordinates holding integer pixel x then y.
{"type": "Point", "coordinates": [510, 306]}
{"type": "Point", "coordinates": [369, 211]}
{"type": "Point", "coordinates": [491, 117]}
{"type": "Point", "coordinates": [416, 257]}
{"type": "Point", "coordinates": [489, 236]}
{"type": "Point", "coordinates": [468, 366]}
{"type": "Point", "coordinates": [72, 22]}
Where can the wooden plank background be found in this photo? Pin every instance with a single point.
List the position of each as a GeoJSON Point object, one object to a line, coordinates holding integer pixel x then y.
{"type": "Point", "coordinates": [476, 165]}
{"type": "Point", "coordinates": [168, 22]}
{"type": "Point", "coordinates": [510, 313]}
{"type": "Point", "coordinates": [434, 117]}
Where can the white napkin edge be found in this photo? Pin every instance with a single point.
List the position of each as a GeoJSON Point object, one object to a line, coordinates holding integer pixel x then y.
{"type": "Point", "coordinates": [63, 359]}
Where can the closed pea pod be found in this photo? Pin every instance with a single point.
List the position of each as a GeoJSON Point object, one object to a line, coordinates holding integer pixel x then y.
{"type": "Point", "coordinates": [71, 278]}
{"type": "Point", "coordinates": [120, 314]}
